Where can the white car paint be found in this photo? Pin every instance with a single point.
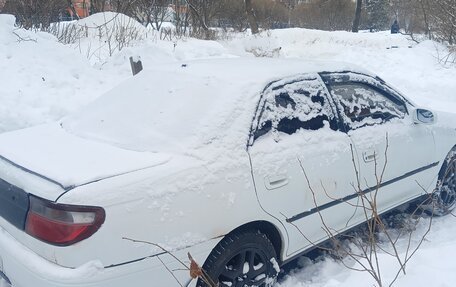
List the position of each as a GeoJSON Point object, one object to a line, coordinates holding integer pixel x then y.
{"type": "Point", "coordinates": [185, 193]}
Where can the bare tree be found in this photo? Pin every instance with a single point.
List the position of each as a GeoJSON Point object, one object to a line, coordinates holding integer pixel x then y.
{"type": "Point", "coordinates": [73, 10]}
{"type": "Point", "coordinates": [443, 18]}
{"type": "Point", "coordinates": [2, 4]}
{"type": "Point", "coordinates": [324, 15]}
{"type": "Point", "coordinates": [35, 13]}
{"type": "Point", "coordinates": [232, 14]}
{"type": "Point", "coordinates": [127, 7]}
{"type": "Point", "coordinates": [181, 17]}
{"type": "Point", "coordinates": [199, 13]}
{"type": "Point", "coordinates": [271, 14]}
{"type": "Point", "coordinates": [153, 12]}
{"type": "Point", "coordinates": [336, 14]}
{"type": "Point", "coordinates": [378, 13]}
{"type": "Point", "coordinates": [97, 6]}
{"type": "Point", "coordinates": [424, 6]}
{"type": "Point", "coordinates": [357, 18]}
{"type": "Point", "coordinates": [251, 17]}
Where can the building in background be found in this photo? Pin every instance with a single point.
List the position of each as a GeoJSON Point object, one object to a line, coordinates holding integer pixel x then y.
{"type": "Point", "coordinates": [85, 8]}
{"type": "Point", "coordinates": [81, 7]}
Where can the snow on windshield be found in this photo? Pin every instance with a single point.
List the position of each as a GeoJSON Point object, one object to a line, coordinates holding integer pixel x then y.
{"type": "Point", "coordinates": [137, 116]}
{"type": "Point", "coordinates": [161, 111]}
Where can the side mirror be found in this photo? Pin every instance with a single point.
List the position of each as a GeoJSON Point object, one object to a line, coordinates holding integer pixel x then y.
{"type": "Point", "coordinates": [423, 116]}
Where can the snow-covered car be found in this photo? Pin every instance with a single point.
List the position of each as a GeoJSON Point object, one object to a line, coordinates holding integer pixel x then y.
{"type": "Point", "coordinates": [233, 161]}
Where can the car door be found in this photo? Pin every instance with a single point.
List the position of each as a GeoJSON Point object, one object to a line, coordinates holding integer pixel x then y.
{"type": "Point", "coordinates": [301, 160]}
{"type": "Point", "coordinates": [395, 155]}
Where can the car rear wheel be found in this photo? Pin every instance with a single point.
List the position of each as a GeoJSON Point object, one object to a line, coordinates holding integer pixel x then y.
{"type": "Point", "coordinates": [242, 259]}
{"type": "Point", "coordinates": [443, 199]}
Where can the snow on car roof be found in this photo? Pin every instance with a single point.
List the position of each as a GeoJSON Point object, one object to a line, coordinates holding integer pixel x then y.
{"type": "Point", "coordinates": [183, 106]}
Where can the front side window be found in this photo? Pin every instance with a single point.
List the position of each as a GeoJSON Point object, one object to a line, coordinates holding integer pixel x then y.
{"type": "Point", "coordinates": [362, 100]}
{"type": "Point", "coordinates": [294, 104]}
{"type": "Point", "coordinates": [361, 105]}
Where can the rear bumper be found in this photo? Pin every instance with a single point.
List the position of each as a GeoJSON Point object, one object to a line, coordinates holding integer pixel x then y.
{"type": "Point", "coordinates": [24, 268]}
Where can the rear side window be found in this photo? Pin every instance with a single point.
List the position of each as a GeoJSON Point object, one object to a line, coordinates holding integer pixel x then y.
{"type": "Point", "coordinates": [294, 104]}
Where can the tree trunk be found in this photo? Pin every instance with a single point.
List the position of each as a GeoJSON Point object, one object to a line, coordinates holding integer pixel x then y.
{"type": "Point", "coordinates": [70, 3]}
{"type": "Point", "coordinates": [425, 8]}
{"type": "Point", "coordinates": [357, 19]}
{"type": "Point", "coordinates": [251, 16]}
{"type": "Point", "coordinates": [198, 16]}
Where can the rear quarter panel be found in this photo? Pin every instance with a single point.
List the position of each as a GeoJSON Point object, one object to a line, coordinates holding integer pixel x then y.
{"type": "Point", "coordinates": [180, 205]}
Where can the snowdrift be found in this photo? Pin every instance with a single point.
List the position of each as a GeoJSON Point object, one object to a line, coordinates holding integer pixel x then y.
{"type": "Point", "coordinates": [41, 79]}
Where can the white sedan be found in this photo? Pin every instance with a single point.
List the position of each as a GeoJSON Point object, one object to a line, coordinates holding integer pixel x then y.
{"type": "Point", "coordinates": [234, 161]}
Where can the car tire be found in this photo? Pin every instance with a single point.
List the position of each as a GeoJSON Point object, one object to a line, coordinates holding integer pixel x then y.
{"type": "Point", "coordinates": [245, 258]}
{"type": "Point", "coordinates": [443, 200]}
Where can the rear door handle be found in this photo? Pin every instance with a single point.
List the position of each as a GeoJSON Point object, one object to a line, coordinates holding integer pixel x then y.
{"type": "Point", "coordinates": [275, 181]}
{"type": "Point", "coordinates": [369, 156]}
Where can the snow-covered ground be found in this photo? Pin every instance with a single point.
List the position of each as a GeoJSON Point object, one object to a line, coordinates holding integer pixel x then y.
{"type": "Point", "coordinates": [432, 265]}
{"type": "Point", "coordinates": [43, 80]}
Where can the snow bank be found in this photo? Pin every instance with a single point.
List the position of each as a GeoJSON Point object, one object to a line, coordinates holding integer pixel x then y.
{"type": "Point", "coordinates": [101, 35]}
{"type": "Point", "coordinates": [154, 52]}
{"type": "Point", "coordinates": [110, 20]}
{"type": "Point", "coordinates": [432, 265]}
{"type": "Point", "coordinates": [42, 80]}
{"type": "Point", "coordinates": [307, 43]}
{"type": "Point", "coordinates": [105, 37]}
{"type": "Point", "coordinates": [6, 22]}
{"type": "Point", "coordinates": [412, 68]}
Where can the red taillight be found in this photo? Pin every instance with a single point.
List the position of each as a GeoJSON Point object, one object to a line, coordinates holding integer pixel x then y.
{"type": "Point", "coordinates": [62, 224]}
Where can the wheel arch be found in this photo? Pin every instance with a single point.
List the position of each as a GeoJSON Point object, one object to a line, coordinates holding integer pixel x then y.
{"type": "Point", "coordinates": [262, 228]}
{"type": "Point", "coordinates": [444, 162]}
{"type": "Point", "coordinates": [268, 229]}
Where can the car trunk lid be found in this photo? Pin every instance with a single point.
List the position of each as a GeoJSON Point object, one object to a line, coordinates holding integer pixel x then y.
{"type": "Point", "coordinates": [47, 161]}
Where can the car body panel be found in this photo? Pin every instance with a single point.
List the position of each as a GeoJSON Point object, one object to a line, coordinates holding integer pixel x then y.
{"type": "Point", "coordinates": [186, 192]}
{"type": "Point", "coordinates": [290, 170]}
{"type": "Point", "coordinates": [70, 160]}
{"type": "Point", "coordinates": [153, 199]}
{"type": "Point", "coordinates": [25, 268]}
{"type": "Point", "coordinates": [387, 151]}
{"type": "Point", "coordinates": [24, 179]}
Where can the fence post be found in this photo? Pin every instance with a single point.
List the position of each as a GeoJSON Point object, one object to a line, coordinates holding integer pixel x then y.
{"type": "Point", "coordinates": [136, 65]}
